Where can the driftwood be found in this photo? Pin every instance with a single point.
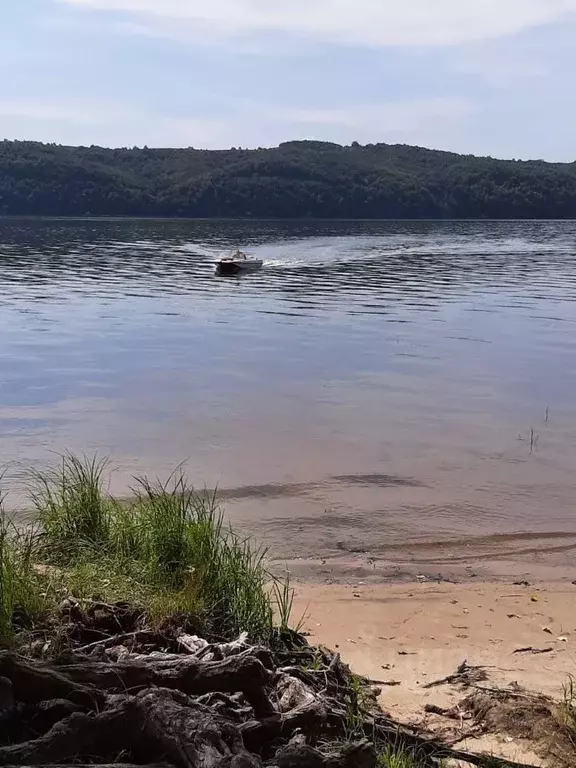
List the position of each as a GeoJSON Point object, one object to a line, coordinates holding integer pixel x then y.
{"type": "Point", "coordinates": [434, 709]}
{"type": "Point", "coordinates": [145, 706]}
{"type": "Point", "coordinates": [536, 651]}
{"type": "Point", "coordinates": [465, 675]}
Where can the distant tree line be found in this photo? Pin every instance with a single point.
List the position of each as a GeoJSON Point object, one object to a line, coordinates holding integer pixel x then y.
{"type": "Point", "coordinates": [297, 179]}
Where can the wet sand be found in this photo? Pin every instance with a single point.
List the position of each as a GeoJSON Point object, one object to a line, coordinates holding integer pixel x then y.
{"type": "Point", "coordinates": [392, 524]}
{"type": "Point", "coordinates": [439, 626]}
{"type": "Point", "coordinates": [516, 557]}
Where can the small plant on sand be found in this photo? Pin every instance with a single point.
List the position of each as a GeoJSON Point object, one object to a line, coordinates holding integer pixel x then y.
{"type": "Point", "coordinates": [284, 600]}
{"type": "Point", "coordinates": [567, 711]}
{"type": "Point", "coordinates": [395, 757]}
{"type": "Point", "coordinates": [356, 701]}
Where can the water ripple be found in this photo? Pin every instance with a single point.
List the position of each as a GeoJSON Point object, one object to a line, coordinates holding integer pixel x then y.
{"type": "Point", "coordinates": [408, 361]}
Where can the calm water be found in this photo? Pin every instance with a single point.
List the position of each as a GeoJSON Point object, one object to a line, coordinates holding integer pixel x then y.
{"type": "Point", "coordinates": [374, 387]}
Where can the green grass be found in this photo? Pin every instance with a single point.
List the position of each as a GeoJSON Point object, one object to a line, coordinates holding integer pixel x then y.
{"type": "Point", "coordinates": [392, 757]}
{"type": "Point", "coordinates": [183, 545]}
{"type": "Point", "coordinates": [72, 507]}
{"type": "Point", "coordinates": [167, 551]}
{"type": "Point", "coordinates": [567, 712]}
{"type": "Point", "coordinates": [6, 583]}
{"type": "Point", "coordinates": [25, 596]}
{"type": "Point", "coordinates": [357, 701]}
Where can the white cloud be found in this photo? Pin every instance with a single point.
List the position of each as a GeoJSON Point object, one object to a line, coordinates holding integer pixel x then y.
{"type": "Point", "coordinates": [374, 22]}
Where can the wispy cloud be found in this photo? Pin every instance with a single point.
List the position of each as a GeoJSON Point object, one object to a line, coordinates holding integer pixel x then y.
{"type": "Point", "coordinates": [246, 123]}
{"type": "Point", "coordinates": [373, 22]}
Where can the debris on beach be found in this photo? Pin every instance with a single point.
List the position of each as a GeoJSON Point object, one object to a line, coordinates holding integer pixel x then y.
{"type": "Point", "coordinates": [106, 690]}
{"type": "Point", "coordinates": [465, 675]}
{"type": "Point", "coordinates": [530, 649]}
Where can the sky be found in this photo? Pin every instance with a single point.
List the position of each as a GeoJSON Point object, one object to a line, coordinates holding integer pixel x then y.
{"type": "Point", "coordinates": [488, 77]}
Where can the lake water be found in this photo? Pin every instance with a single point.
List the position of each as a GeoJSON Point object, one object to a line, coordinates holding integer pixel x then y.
{"type": "Point", "coordinates": [382, 394]}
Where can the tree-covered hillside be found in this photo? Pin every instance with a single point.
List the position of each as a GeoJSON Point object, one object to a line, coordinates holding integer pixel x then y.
{"type": "Point", "coordinates": [296, 179]}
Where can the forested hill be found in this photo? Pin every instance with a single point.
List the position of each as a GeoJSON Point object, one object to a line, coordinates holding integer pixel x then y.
{"type": "Point", "coordinates": [296, 179]}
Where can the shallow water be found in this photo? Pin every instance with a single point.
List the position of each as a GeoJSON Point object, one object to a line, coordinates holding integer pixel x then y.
{"type": "Point", "coordinates": [375, 386]}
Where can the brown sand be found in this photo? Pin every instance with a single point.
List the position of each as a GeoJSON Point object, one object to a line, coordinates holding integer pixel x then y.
{"type": "Point", "coordinates": [441, 625]}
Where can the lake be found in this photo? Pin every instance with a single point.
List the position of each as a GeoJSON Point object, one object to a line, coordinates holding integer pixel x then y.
{"type": "Point", "coordinates": [387, 396]}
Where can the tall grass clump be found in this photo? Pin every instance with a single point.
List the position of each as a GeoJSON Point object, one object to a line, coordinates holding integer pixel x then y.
{"type": "Point", "coordinates": [6, 588]}
{"type": "Point", "coordinates": [184, 544]}
{"type": "Point", "coordinates": [163, 515]}
{"type": "Point", "coordinates": [73, 508]}
{"type": "Point", "coordinates": [167, 547]}
{"type": "Point", "coordinates": [25, 595]}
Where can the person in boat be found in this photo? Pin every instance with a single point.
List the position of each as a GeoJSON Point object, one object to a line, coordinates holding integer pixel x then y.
{"type": "Point", "coordinates": [239, 254]}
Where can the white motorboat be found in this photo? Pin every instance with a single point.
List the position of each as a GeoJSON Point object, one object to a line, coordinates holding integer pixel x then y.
{"type": "Point", "coordinates": [237, 263]}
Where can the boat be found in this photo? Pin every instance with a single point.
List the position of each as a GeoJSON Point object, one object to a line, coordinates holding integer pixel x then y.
{"type": "Point", "coordinates": [237, 263]}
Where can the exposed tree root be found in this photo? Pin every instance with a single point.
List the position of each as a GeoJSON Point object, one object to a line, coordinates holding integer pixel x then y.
{"type": "Point", "coordinates": [244, 708]}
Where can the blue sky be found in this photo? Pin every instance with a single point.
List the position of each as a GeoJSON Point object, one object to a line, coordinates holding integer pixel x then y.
{"type": "Point", "coordinates": [479, 76]}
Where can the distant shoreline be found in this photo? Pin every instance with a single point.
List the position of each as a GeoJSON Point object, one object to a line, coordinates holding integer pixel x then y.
{"type": "Point", "coordinates": [298, 180]}
{"type": "Point", "coordinates": [282, 219]}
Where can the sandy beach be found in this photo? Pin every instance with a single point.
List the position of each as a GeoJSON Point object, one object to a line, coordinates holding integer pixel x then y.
{"type": "Point", "coordinates": [416, 633]}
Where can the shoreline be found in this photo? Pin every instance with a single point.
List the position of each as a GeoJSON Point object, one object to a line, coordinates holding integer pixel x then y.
{"type": "Point", "coordinates": [96, 566]}
{"type": "Point", "coordinates": [350, 570]}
